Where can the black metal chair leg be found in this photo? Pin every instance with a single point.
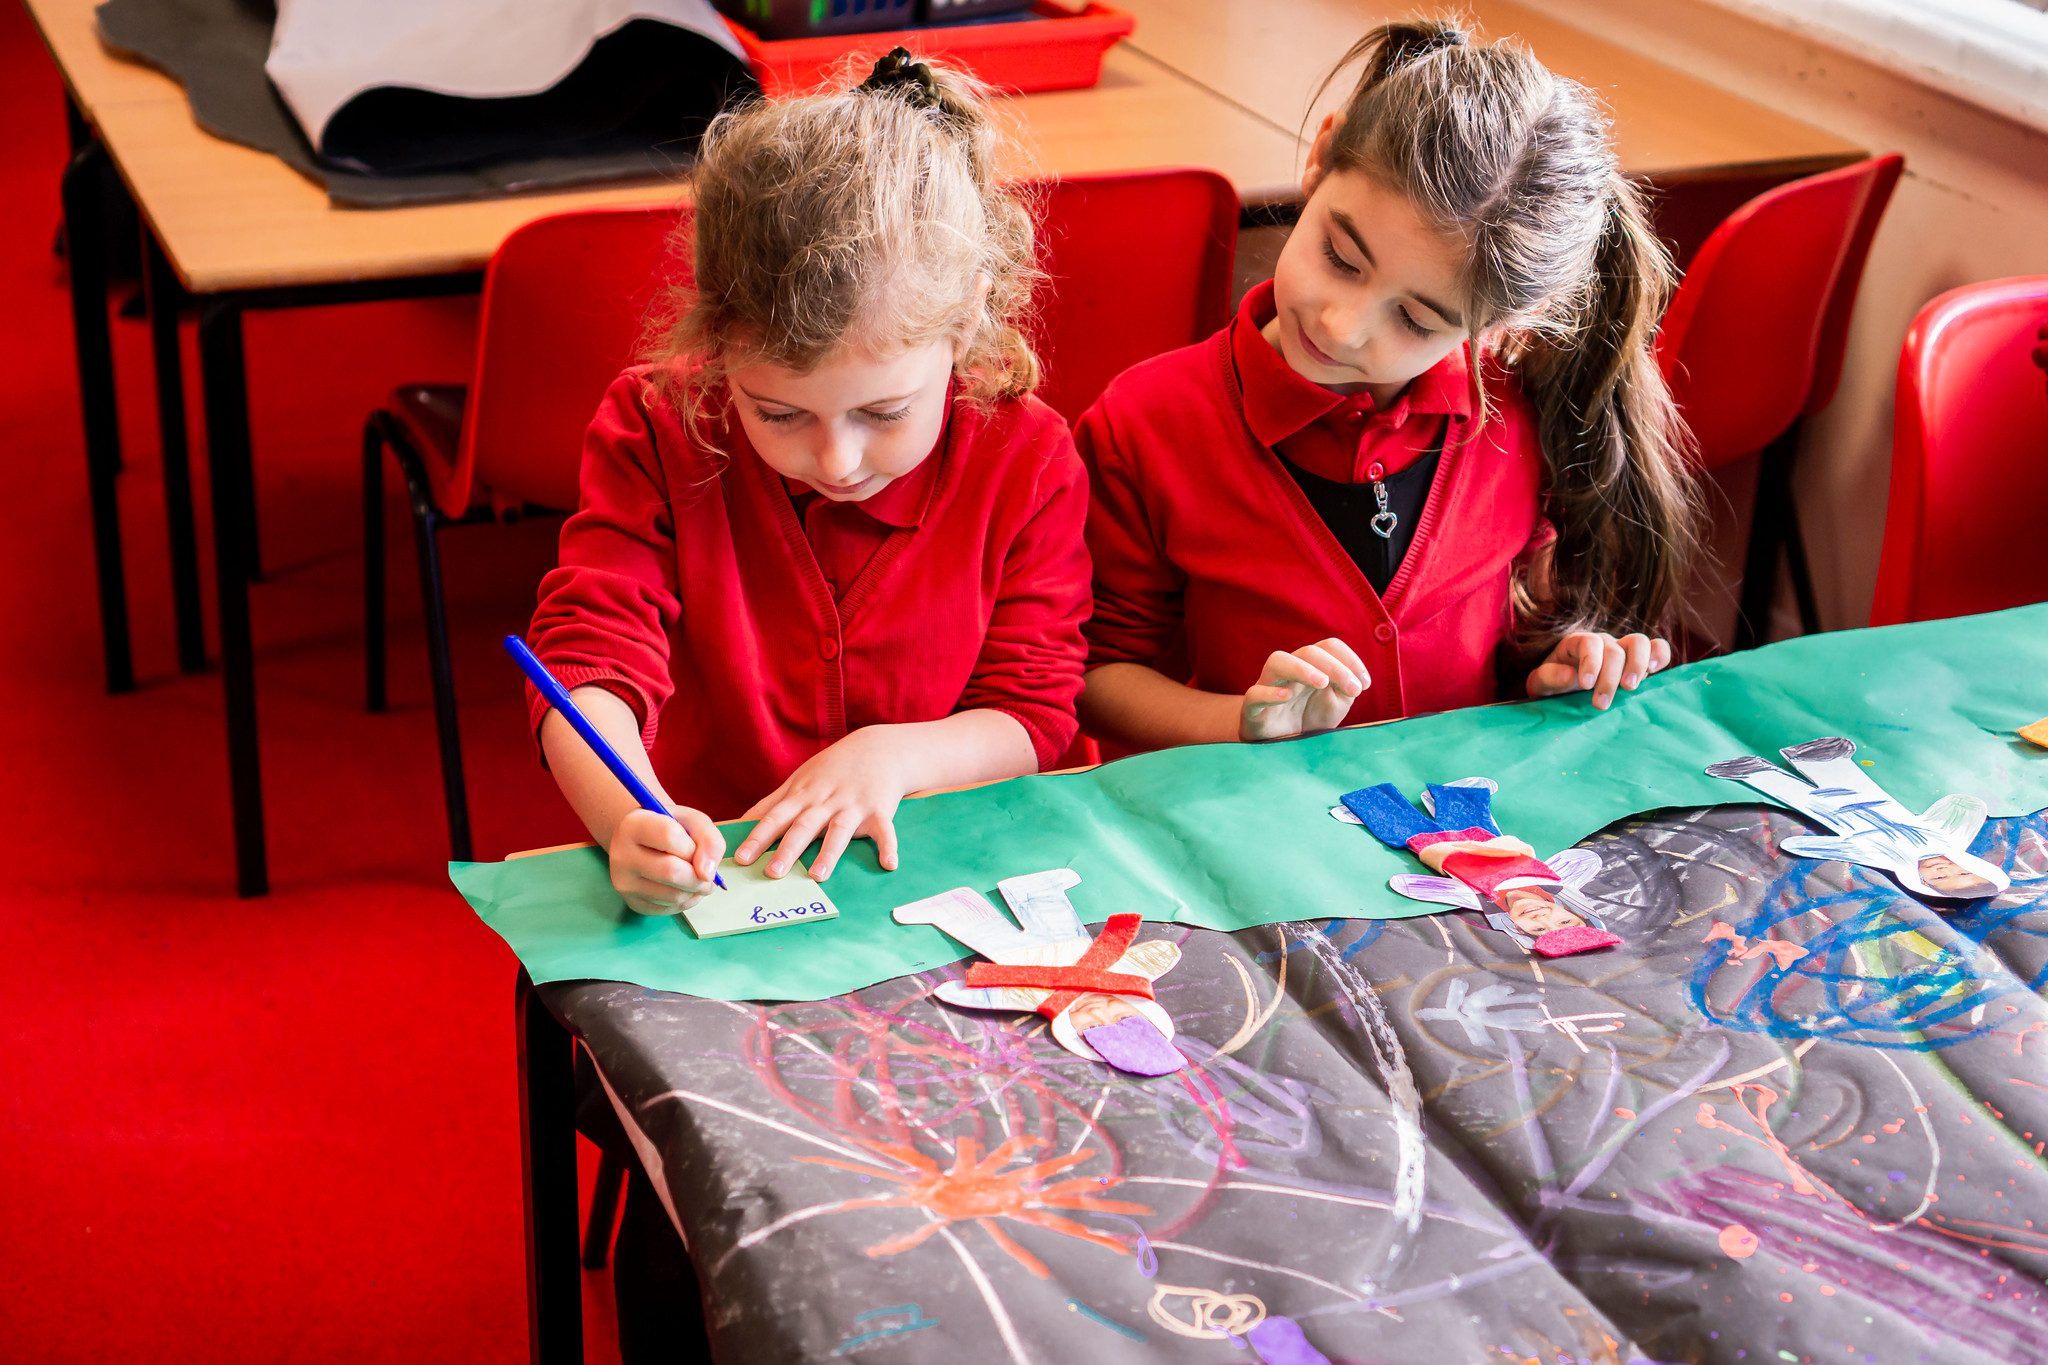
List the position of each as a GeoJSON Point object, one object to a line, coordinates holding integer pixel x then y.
{"type": "Point", "coordinates": [85, 256]}
{"type": "Point", "coordinates": [373, 564]}
{"type": "Point", "coordinates": [166, 297]}
{"type": "Point", "coordinates": [1766, 540]}
{"type": "Point", "coordinates": [604, 1211]}
{"type": "Point", "coordinates": [426, 522]}
{"type": "Point", "coordinates": [547, 1150]}
{"type": "Point", "coordinates": [224, 384]}
{"type": "Point", "coordinates": [1795, 564]}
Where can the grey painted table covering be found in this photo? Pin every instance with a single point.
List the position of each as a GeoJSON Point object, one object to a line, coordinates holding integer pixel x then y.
{"type": "Point", "coordinates": [1683, 1149]}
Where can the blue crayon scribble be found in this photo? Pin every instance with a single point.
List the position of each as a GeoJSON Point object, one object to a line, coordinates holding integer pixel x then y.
{"type": "Point", "coordinates": [1871, 978]}
{"type": "Point", "coordinates": [1075, 1305]}
{"type": "Point", "coordinates": [917, 1320]}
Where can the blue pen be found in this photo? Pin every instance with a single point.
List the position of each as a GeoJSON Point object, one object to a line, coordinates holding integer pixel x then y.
{"type": "Point", "coordinates": [558, 697]}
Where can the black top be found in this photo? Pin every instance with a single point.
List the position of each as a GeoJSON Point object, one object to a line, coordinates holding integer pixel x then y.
{"type": "Point", "coordinates": [1348, 510]}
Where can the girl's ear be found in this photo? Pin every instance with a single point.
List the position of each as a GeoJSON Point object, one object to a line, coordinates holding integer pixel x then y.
{"type": "Point", "coordinates": [1319, 156]}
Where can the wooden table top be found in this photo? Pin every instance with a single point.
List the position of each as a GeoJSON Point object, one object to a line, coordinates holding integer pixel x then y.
{"type": "Point", "coordinates": [1269, 57]}
{"type": "Point", "coordinates": [1205, 82]}
{"type": "Point", "coordinates": [231, 217]}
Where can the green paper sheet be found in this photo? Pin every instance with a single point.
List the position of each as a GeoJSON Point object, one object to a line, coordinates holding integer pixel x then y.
{"type": "Point", "coordinates": [1228, 836]}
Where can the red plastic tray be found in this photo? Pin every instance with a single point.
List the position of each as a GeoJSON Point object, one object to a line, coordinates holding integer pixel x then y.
{"type": "Point", "coordinates": [1063, 52]}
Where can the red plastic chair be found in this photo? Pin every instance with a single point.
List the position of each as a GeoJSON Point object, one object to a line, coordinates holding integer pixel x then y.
{"type": "Point", "coordinates": [1139, 263]}
{"type": "Point", "coordinates": [1754, 341]}
{"type": "Point", "coordinates": [1969, 458]}
{"type": "Point", "coordinates": [563, 300]}
{"type": "Point", "coordinates": [1110, 302]}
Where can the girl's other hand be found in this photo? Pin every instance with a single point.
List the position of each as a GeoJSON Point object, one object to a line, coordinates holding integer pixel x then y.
{"type": "Point", "coordinates": [848, 792]}
{"type": "Point", "coordinates": [1596, 662]}
{"type": "Point", "coordinates": [661, 866]}
{"type": "Point", "coordinates": [1309, 690]}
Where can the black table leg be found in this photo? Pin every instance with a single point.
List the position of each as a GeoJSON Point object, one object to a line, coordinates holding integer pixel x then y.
{"type": "Point", "coordinates": [224, 386]}
{"type": "Point", "coordinates": [547, 1152]}
{"type": "Point", "coordinates": [166, 297]}
{"type": "Point", "coordinates": [85, 255]}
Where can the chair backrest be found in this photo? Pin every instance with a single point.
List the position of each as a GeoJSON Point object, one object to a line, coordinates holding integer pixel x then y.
{"type": "Point", "coordinates": [1740, 343]}
{"type": "Point", "coordinates": [1139, 263]}
{"type": "Point", "coordinates": [1969, 458]}
{"type": "Point", "coordinates": [1884, 174]}
{"type": "Point", "coordinates": [563, 302]}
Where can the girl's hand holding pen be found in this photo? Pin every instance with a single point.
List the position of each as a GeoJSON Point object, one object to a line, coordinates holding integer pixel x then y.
{"type": "Point", "coordinates": [661, 866]}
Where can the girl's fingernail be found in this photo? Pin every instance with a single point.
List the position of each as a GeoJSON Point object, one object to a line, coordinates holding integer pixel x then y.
{"type": "Point", "coordinates": [1631, 679]}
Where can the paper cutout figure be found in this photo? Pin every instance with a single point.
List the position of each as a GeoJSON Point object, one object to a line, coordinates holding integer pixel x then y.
{"type": "Point", "coordinates": [1926, 854]}
{"type": "Point", "coordinates": [1531, 898]}
{"type": "Point", "coordinates": [1097, 992]}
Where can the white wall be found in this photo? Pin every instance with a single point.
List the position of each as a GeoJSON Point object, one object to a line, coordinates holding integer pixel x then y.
{"type": "Point", "coordinates": [1973, 205]}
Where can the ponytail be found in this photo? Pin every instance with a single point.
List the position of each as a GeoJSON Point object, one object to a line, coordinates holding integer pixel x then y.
{"type": "Point", "coordinates": [1620, 490]}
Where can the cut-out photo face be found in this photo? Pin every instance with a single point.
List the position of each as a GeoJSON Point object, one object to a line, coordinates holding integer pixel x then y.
{"type": "Point", "coordinates": [1536, 911]}
{"type": "Point", "coordinates": [1093, 1011]}
{"type": "Point", "coordinates": [1946, 877]}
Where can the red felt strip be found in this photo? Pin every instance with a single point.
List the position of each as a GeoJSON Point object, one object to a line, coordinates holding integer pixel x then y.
{"type": "Point", "coordinates": [1115, 939]}
{"type": "Point", "coordinates": [1062, 979]}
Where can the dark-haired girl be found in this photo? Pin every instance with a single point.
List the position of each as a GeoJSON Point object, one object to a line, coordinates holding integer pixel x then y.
{"type": "Point", "coordinates": [1437, 445]}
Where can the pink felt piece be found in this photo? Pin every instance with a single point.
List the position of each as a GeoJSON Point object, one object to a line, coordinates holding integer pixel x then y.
{"type": "Point", "coordinates": [1577, 938]}
{"type": "Point", "coordinates": [1280, 1341]}
{"type": "Point", "coordinates": [1135, 1045]}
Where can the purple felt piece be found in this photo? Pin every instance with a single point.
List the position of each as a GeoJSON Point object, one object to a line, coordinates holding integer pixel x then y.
{"type": "Point", "coordinates": [1577, 938]}
{"type": "Point", "coordinates": [1280, 1341]}
{"type": "Point", "coordinates": [1136, 1046]}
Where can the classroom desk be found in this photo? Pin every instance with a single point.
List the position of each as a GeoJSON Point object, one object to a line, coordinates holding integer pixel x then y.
{"type": "Point", "coordinates": [1660, 1151]}
{"type": "Point", "coordinates": [1668, 126]}
{"type": "Point", "coordinates": [233, 230]}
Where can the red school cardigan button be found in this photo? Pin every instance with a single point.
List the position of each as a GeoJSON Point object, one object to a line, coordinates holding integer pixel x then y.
{"type": "Point", "coordinates": [830, 648]}
{"type": "Point", "coordinates": [1384, 633]}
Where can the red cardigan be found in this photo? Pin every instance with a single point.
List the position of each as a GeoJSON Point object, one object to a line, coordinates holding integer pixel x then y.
{"type": "Point", "coordinates": [686, 574]}
{"type": "Point", "coordinates": [1208, 556]}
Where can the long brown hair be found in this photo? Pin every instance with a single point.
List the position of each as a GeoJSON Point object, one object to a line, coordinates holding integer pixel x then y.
{"type": "Point", "coordinates": [1500, 153]}
{"type": "Point", "coordinates": [868, 216]}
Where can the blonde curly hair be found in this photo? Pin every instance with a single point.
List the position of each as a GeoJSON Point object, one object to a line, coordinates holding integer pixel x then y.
{"type": "Point", "coordinates": [867, 218]}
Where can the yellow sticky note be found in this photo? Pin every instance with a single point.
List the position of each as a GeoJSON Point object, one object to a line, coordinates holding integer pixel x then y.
{"type": "Point", "coordinates": [752, 901]}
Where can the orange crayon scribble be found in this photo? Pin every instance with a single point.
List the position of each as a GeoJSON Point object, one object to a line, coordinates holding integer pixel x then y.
{"type": "Point", "coordinates": [1802, 1183]}
{"type": "Point", "coordinates": [979, 1190]}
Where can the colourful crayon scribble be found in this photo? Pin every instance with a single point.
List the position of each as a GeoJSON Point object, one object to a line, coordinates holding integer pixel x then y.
{"type": "Point", "coordinates": [1878, 968]}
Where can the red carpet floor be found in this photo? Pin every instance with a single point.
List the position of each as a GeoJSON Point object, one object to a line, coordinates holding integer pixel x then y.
{"type": "Point", "coordinates": [270, 1130]}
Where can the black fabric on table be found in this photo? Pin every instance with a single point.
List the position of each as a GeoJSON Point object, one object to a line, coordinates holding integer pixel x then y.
{"type": "Point", "coordinates": [1586, 1195]}
{"type": "Point", "coordinates": [633, 109]}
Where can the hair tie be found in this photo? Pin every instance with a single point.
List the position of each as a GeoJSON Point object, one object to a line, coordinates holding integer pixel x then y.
{"type": "Point", "coordinates": [900, 72]}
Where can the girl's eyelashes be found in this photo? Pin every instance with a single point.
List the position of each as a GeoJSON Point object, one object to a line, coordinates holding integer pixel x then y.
{"type": "Point", "coordinates": [784, 418]}
{"type": "Point", "coordinates": [1338, 263]}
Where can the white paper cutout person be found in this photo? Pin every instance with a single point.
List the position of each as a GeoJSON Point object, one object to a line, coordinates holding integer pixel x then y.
{"type": "Point", "coordinates": [1926, 854]}
{"type": "Point", "coordinates": [1051, 935]}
